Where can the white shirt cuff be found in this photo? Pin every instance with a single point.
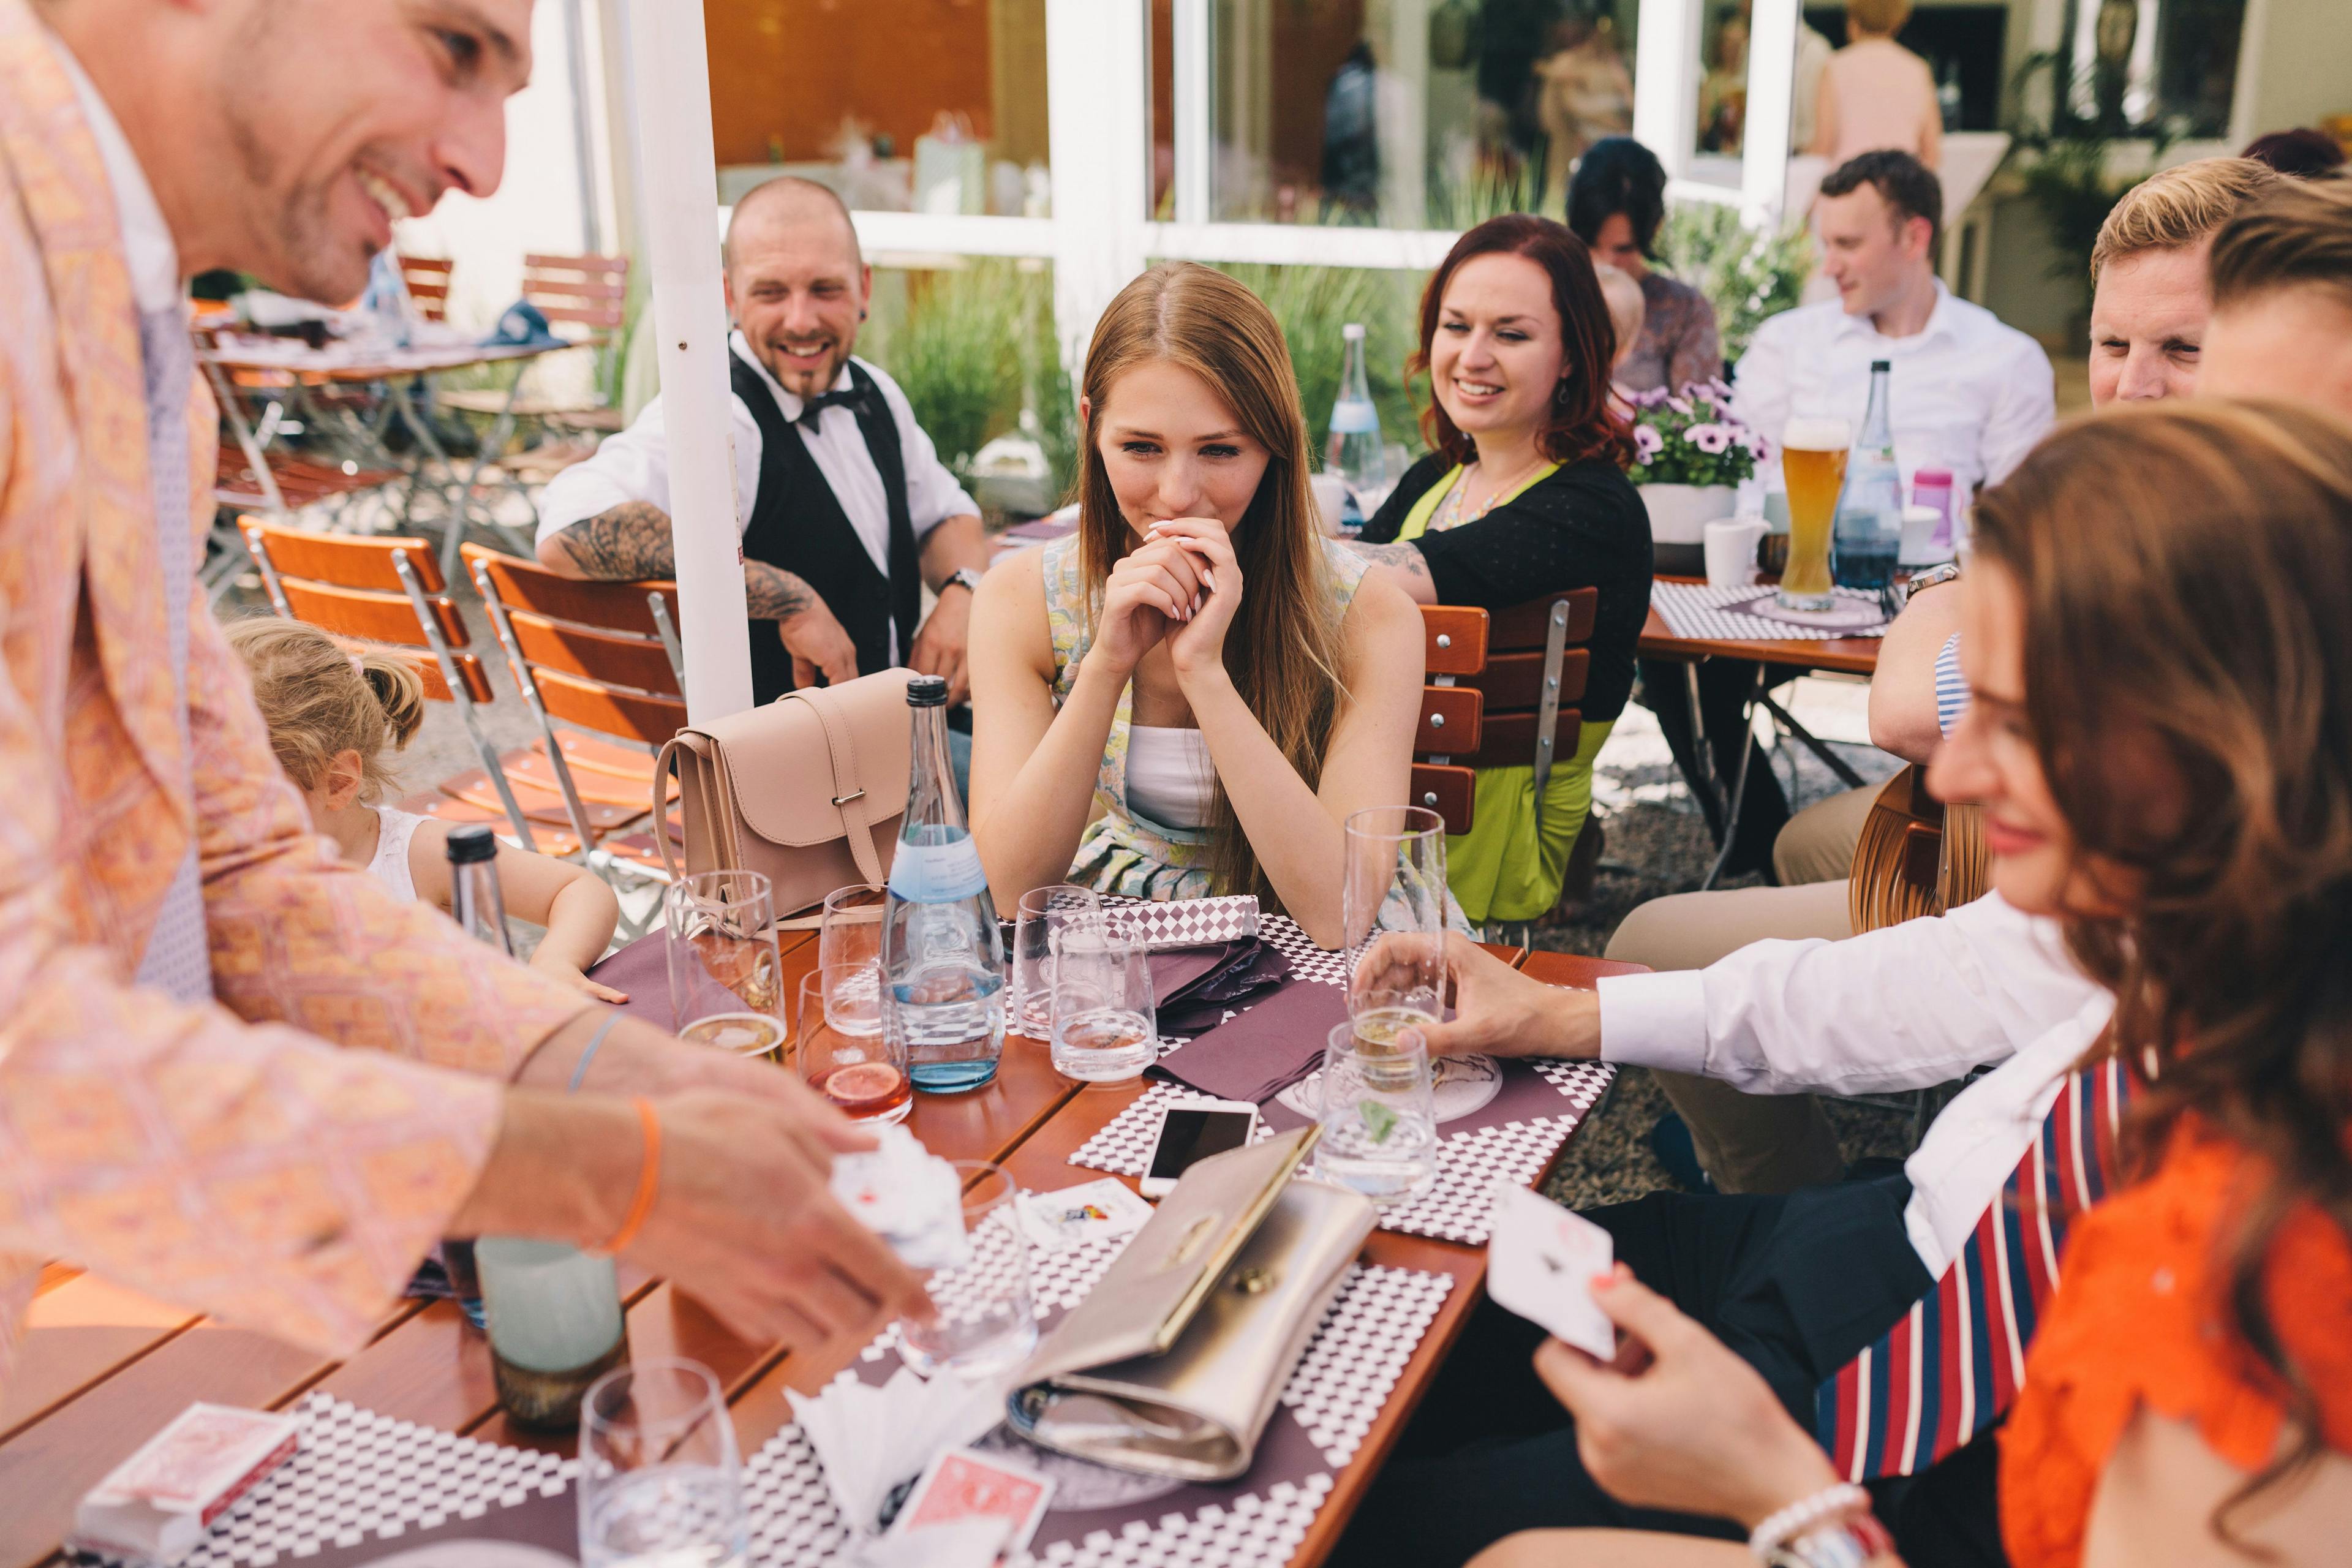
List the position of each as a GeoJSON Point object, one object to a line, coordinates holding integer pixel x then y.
{"type": "Point", "coordinates": [1655, 1020]}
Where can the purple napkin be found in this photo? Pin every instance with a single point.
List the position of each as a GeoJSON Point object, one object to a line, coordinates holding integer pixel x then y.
{"type": "Point", "coordinates": [641, 970]}
{"type": "Point", "coordinates": [1273, 1044]}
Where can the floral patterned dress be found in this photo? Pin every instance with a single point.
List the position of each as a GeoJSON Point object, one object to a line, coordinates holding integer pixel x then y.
{"type": "Point", "coordinates": [1123, 851]}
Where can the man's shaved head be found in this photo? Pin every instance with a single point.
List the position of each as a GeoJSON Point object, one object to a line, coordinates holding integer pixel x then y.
{"type": "Point", "coordinates": [796, 283]}
{"type": "Point", "coordinates": [788, 201]}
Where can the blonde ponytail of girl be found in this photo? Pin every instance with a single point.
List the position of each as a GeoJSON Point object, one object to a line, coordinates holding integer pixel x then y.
{"type": "Point", "coordinates": [321, 701]}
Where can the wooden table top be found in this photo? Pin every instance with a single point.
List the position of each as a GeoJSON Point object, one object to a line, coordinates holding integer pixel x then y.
{"type": "Point", "coordinates": [102, 1368]}
{"type": "Point", "coordinates": [1847, 655]}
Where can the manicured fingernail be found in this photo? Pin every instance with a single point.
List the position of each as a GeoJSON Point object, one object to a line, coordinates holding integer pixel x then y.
{"type": "Point", "coordinates": [1210, 578]}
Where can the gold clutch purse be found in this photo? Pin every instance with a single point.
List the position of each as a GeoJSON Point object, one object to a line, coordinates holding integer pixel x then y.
{"type": "Point", "coordinates": [1172, 1364]}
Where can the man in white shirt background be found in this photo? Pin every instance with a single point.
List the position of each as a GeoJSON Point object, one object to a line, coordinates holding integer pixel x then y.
{"type": "Point", "coordinates": [847, 512]}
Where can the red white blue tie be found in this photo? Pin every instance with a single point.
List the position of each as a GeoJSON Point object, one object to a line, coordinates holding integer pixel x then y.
{"type": "Point", "coordinates": [1950, 1366]}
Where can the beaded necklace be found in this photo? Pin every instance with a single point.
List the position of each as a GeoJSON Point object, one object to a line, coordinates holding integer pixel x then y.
{"type": "Point", "coordinates": [1449, 514]}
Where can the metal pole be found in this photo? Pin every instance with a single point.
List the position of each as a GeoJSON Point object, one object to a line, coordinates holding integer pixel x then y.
{"type": "Point", "coordinates": [681, 196]}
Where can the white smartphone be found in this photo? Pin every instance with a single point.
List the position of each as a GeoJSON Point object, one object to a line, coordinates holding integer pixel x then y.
{"type": "Point", "coordinates": [1191, 1131]}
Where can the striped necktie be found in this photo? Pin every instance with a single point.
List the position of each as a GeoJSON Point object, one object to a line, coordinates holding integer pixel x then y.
{"type": "Point", "coordinates": [1950, 1366]}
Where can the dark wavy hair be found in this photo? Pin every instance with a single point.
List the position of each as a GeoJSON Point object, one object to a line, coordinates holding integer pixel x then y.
{"type": "Point", "coordinates": [1618, 174]}
{"type": "Point", "coordinates": [2186, 569]}
{"type": "Point", "coordinates": [1582, 423]}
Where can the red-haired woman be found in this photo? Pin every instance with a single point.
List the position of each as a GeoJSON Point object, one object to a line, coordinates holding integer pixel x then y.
{"type": "Point", "coordinates": [1523, 494]}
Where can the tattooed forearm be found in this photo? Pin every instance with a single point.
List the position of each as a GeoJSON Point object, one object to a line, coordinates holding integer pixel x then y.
{"type": "Point", "coordinates": [1404, 558]}
{"type": "Point", "coordinates": [631, 544]}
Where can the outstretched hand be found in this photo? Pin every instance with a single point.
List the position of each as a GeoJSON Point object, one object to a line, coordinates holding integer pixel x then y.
{"type": "Point", "coordinates": [1497, 1011]}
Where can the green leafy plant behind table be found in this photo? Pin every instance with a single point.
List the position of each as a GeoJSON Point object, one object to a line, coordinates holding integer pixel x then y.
{"type": "Point", "coordinates": [1746, 274]}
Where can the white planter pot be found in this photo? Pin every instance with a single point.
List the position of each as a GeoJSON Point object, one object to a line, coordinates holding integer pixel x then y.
{"type": "Point", "coordinates": [1679, 513]}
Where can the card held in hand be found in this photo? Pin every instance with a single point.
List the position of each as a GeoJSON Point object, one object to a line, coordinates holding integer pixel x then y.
{"type": "Point", "coordinates": [1540, 1262]}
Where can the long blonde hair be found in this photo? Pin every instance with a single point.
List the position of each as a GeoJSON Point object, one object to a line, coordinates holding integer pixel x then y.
{"type": "Point", "coordinates": [319, 701]}
{"type": "Point", "coordinates": [1283, 649]}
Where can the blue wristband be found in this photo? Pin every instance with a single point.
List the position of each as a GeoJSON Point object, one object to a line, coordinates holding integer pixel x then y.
{"type": "Point", "coordinates": [580, 1070]}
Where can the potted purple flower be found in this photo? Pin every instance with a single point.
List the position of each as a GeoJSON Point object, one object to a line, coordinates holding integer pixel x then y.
{"type": "Point", "coordinates": [1690, 453]}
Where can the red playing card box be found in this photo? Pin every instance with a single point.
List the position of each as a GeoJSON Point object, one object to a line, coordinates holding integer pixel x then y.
{"type": "Point", "coordinates": [962, 1486]}
{"type": "Point", "coordinates": [158, 1503]}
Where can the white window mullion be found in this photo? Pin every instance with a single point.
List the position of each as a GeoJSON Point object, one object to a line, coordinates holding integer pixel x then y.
{"type": "Point", "coordinates": [1193, 90]}
{"type": "Point", "coordinates": [1099, 126]}
{"type": "Point", "coordinates": [1771, 102]}
{"type": "Point", "coordinates": [1665, 81]}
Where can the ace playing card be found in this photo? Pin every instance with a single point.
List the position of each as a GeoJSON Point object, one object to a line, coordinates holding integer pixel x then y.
{"type": "Point", "coordinates": [1540, 1261]}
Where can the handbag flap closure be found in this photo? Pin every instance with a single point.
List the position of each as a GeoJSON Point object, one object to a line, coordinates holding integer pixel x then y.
{"type": "Point", "coordinates": [1154, 1287]}
{"type": "Point", "coordinates": [794, 765]}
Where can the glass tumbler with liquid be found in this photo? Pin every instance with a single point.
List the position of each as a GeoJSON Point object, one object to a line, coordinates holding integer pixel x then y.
{"type": "Point", "coordinates": [862, 1071]}
{"type": "Point", "coordinates": [1392, 916]}
{"type": "Point", "coordinates": [1379, 1114]}
{"type": "Point", "coordinates": [1106, 1027]}
{"type": "Point", "coordinates": [660, 1485]}
{"type": "Point", "coordinates": [725, 979]}
{"type": "Point", "coordinates": [1812, 461]}
{"type": "Point", "coordinates": [943, 950]}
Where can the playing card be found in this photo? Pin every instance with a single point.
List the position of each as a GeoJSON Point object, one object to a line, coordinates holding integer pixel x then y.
{"type": "Point", "coordinates": [1540, 1261]}
{"type": "Point", "coordinates": [1058, 1221]}
{"type": "Point", "coordinates": [964, 1486]}
{"type": "Point", "coordinates": [908, 1196]}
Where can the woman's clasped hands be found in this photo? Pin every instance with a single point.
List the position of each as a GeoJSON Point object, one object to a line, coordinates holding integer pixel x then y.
{"type": "Point", "coordinates": [1182, 585]}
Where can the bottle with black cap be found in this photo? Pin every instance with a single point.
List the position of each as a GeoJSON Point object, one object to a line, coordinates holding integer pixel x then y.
{"type": "Point", "coordinates": [481, 910]}
{"type": "Point", "coordinates": [943, 950]}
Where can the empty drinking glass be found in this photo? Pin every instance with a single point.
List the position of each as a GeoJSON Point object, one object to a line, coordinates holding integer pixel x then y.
{"type": "Point", "coordinates": [849, 938]}
{"type": "Point", "coordinates": [1392, 913]}
{"type": "Point", "coordinates": [659, 1483]}
{"type": "Point", "coordinates": [1380, 1121]}
{"type": "Point", "coordinates": [726, 980]}
{"type": "Point", "coordinates": [862, 1073]}
{"type": "Point", "coordinates": [1105, 1027]}
{"type": "Point", "coordinates": [1044, 913]}
{"type": "Point", "coordinates": [985, 1319]}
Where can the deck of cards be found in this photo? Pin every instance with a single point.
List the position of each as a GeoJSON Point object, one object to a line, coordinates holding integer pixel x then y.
{"type": "Point", "coordinates": [908, 1196]}
{"type": "Point", "coordinates": [963, 1491]}
{"type": "Point", "coordinates": [1070, 1216]}
{"type": "Point", "coordinates": [157, 1504]}
{"type": "Point", "coordinates": [1540, 1263]}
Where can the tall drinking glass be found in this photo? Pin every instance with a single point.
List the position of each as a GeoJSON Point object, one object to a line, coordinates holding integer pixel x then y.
{"type": "Point", "coordinates": [1378, 1115]}
{"type": "Point", "coordinates": [1106, 1029]}
{"type": "Point", "coordinates": [660, 1485]}
{"type": "Point", "coordinates": [1392, 912]}
{"type": "Point", "coordinates": [985, 1319]}
{"type": "Point", "coordinates": [726, 978]}
{"type": "Point", "coordinates": [849, 938]}
{"type": "Point", "coordinates": [1044, 913]}
{"type": "Point", "coordinates": [1812, 458]}
{"type": "Point", "coordinates": [862, 1072]}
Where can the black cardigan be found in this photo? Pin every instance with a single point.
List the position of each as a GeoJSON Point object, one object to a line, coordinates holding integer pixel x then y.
{"type": "Point", "coordinates": [1582, 526]}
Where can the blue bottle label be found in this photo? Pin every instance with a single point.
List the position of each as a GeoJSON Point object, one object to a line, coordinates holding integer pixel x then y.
{"type": "Point", "coordinates": [1352, 417]}
{"type": "Point", "coordinates": [938, 873]}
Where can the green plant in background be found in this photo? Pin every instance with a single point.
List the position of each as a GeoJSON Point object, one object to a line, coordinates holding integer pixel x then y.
{"type": "Point", "coordinates": [959, 356]}
{"type": "Point", "coordinates": [2063, 162]}
{"type": "Point", "coordinates": [1311, 305]}
{"type": "Point", "coordinates": [1746, 274]}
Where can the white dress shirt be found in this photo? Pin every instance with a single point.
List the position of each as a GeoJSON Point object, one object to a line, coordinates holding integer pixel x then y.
{"type": "Point", "coordinates": [1908, 1006]}
{"type": "Point", "coordinates": [1970, 393]}
{"type": "Point", "coordinates": [633, 465]}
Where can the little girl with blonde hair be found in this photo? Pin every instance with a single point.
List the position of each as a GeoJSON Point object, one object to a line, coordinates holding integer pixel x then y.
{"type": "Point", "coordinates": [333, 717]}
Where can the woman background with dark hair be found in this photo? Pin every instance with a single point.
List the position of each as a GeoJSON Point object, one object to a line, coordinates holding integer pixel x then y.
{"type": "Point", "coordinates": [1616, 203]}
{"type": "Point", "coordinates": [1523, 494]}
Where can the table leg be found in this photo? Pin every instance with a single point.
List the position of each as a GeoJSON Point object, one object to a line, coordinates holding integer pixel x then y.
{"type": "Point", "coordinates": [1740, 783]}
{"type": "Point", "coordinates": [1830, 759]}
{"type": "Point", "coordinates": [1699, 771]}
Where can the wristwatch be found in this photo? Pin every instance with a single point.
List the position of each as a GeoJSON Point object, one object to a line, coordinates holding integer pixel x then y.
{"type": "Point", "coordinates": [962, 576]}
{"type": "Point", "coordinates": [1846, 1543]}
{"type": "Point", "coordinates": [1934, 576]}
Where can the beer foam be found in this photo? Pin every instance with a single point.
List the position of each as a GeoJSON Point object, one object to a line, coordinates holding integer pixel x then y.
{"type": "Point", "coordinates": [1818, 435]}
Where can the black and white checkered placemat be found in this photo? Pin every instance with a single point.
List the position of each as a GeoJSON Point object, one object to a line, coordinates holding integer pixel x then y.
{"type": "Point", "coordinates": [1696, 610]}
{"type": "Point", "coordinates": [1470, 1165]}
{"type": "Point", "coordinates": [1184, 922]}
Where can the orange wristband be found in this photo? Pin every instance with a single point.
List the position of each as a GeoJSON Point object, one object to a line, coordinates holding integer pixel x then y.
{"type": "Point", "coordinates": [648, 1182]}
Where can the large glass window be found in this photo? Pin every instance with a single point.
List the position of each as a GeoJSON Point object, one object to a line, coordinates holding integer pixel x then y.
{"type": "Point", "coordinates": [1397, 113]}
{"type": "Point", "coordinates": [930, 106]}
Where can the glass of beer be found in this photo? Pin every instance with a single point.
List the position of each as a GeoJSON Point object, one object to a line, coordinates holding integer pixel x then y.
{"type": "Point", "coordinates": [1392, 911]}
{"type": "Point", "coordinates": [1812, 460]}
{"type": "Point", "coordinates": [862, 1072]}
{"type": "Point", "coordinates": [726, 978]}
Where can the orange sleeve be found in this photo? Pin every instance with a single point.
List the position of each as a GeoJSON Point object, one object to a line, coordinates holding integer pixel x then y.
{"type": "Point", "coordinates": [2141, 1318]}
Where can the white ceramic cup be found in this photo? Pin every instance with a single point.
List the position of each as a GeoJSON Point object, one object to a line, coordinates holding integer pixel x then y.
{"type": "Point", "coordinates": [1731, 552]}
{"type": "Point", "coordinates": [1919, 523]}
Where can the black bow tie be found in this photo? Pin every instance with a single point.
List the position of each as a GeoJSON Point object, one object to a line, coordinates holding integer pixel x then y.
{"type": "Point", "coordinates": [812, 409]}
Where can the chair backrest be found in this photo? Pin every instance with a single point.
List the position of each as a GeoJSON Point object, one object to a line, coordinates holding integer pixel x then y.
{"type": "Point", "coordinates": [581, 295]}
{"type": "Point", "coordinates": [1451, 715]}
{"type": "Point", "coordinates": [428, 278]}
{"type": "Point", "coordinates": [354, 586]}
{"type": "Point", "coordinates": [596, 654]}
{"type": "Point", "coordinates": [1520, 643]}
{"type": "Point", "coordinates": [1916, 856]}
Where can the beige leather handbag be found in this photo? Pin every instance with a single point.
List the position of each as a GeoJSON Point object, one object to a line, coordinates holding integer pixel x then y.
{"type": "Point", "coordinates": [807, 790]}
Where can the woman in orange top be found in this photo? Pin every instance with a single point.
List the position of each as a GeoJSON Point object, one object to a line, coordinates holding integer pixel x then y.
{"type": "Point", "coordinates": [2158, 648]}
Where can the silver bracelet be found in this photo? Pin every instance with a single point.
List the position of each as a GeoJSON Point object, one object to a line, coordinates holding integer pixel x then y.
{"type": "Point", "coordinates": [580, 1068]}
{"type": "Point", "coordinates": [1794, 1520]}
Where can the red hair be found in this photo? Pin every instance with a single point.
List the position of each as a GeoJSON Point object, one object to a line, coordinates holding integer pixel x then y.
{"type": "Point", "coordinates": [1582, 423]}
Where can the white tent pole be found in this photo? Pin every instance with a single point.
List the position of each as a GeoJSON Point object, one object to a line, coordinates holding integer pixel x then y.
{"type": "Point", "coordinates": [680, 197]}
{"type": "Point", "coordinates": [1665, 81]}
{"type": "Point", "coordinates": [1771, 101]}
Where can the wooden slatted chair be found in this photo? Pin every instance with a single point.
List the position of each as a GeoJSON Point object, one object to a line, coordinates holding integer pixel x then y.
{"type": "Point", "coordinates": [1451, 715]}
{"type": "Point", "coordinates": [427, 279]}
{"type": "Point", "coordinates": [390, 591]}
{"type": "Point", "coordinates": [601, 656]}
{"type": "Point", "coordinates": [585, 299]}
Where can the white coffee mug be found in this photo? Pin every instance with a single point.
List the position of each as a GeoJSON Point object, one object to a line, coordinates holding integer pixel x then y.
{"type": "Point", "coordinates": [1919, 524]}
{"type": "Point", "coordinates": [1731, 552]}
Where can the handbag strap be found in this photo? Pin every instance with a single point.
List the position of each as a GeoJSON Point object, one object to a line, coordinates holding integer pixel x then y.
{"type": "Point", "coordinates": [857, 824]}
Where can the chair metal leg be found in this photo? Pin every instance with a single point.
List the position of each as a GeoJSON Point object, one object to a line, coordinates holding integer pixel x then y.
{"type": "Point", "coordinates": [521, 669]}
{"type": "Point", "coordinates": [465, 702]}
{"type": "Point", "coordinates": [1813, 742]}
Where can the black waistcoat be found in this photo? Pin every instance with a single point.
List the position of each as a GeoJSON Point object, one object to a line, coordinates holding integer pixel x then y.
{"type": "Point", "coordinates": [797, 524]}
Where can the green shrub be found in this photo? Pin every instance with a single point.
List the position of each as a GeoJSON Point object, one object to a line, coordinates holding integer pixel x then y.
{"type": "Point", "coordinates": [1746, 274]}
